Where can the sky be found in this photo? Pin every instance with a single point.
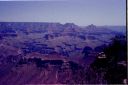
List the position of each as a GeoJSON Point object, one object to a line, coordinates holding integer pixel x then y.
{"type": "Point", "coordinates": [80, 12]}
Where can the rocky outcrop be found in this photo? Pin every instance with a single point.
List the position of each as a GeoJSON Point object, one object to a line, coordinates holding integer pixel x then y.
{"type": "Point", "coordinates": [43, 71]}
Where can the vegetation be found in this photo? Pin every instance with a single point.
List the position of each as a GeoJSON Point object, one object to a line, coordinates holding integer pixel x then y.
{"type": "Point", "coordinates": [113, 68]}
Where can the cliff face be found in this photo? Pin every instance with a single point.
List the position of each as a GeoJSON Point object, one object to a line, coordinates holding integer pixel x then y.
{"type": "Point", "coordinates": [35, 68]}
{"type": "Point", "coordinates": [52, 53]}
{"type": "Point", "coordinates": [46, 38]}
{"type": "Point", "coordinates": [38, 71]}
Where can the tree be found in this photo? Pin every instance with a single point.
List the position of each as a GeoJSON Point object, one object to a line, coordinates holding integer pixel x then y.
{"type": "Point", "coordinates": [115, 52]}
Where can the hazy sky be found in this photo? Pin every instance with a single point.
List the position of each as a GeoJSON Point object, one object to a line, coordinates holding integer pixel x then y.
{"type": "Point", "coordinates": [81, 12]}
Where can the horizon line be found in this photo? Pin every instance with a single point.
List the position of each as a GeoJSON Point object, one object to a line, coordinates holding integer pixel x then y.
{"type": "Point", "coordinates": [55, 22]}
